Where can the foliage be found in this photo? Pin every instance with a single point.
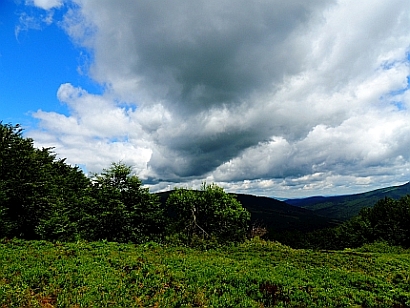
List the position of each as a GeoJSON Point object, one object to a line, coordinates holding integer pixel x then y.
{"type": "Point", "coordinates": [32, 182]}
{"type": "Point", "coordinates": [123, 209]}
{"type": "Point", "coordinates": [382, 247]}
{"type": "Point", "coordinates": [62, 218]}
{"type": "Point", "coordinates": [252, 274]}
{"type": "Point", "coordinates": [42, 197]}
{"type": "Point", "coordinates": [208, 213]}
{"type": "Point", "coordinates": [387, 221]}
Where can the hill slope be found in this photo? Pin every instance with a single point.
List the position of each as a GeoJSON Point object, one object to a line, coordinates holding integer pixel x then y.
{"type": "Point", "coordinates": [346, 206]}
{"type": "Point", "coordinates": [252, 274]}
{"type": "Point", "coordinates": [276, 215]}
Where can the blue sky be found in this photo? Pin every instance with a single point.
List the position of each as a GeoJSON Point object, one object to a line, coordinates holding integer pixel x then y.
{"type": "Point", "coordinates": [33, 65]}
{"type": "Point", "coordinates": [273, 98]}
{"type": "Point", "coordinates": [35, 59]}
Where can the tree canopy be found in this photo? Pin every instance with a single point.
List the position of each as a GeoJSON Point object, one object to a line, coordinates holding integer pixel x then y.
{"type": "Point", "coordinates": [123, 210]}
{"type": "Point", "coordinates": [42, 197]}
{"type": "Point", "coordinates": [208, 213]}
{"type": "Point", "coordinates": [388, 220]}
{"type": "Point", "coordinates": [32, 182]}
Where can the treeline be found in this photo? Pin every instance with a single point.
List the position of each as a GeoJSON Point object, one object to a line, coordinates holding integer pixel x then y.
{"type": "Point", "coordinates": [387, 221]}
{"type": "Point", "coordinates": [42, 197]}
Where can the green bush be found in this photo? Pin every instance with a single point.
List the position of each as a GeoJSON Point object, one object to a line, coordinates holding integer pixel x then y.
{"type": "Point", "coordinates": [123, 211]}
{"type": "Point", "coordinates": [210, 213]}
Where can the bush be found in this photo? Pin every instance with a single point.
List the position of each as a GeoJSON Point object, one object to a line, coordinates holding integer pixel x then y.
{"type": "Point", "coordinates": [210, 213]}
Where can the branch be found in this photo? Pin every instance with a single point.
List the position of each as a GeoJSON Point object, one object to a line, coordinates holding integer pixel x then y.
{"type": "Point", "coordinates": [196, 224]}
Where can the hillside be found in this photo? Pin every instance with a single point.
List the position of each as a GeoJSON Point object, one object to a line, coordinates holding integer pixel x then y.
{"type": "Point", "coordinates": [346, 206]}
{"type": "Point", "coordinates": [276, 215]}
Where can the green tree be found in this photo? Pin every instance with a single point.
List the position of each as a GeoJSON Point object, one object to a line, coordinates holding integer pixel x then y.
{"type": "Point", "coordinates": [123, 210]}
{"type": "Point", "coordinates": [208, 213]}
{"type": "Point", "coordinates": [36, 188]}
{"type": "Point", "coordinates": [387, 221]}
{"type": "Point", "coordinates": [69, 198]}
{"type": "Point", "coordinates": [24, 179]}
{"type": "Point", "coordinates": [4, 228]}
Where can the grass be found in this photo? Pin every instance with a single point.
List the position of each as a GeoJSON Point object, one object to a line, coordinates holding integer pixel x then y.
{"type": "Point", "coordinates": [252, 274]}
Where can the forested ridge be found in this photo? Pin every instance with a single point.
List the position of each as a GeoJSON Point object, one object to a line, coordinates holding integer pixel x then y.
{"type": "Point", "coordinates": [347, 206]}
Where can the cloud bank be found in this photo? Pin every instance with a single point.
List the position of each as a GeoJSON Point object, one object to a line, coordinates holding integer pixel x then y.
{"type": "Point", "coordinates": [280, 98]}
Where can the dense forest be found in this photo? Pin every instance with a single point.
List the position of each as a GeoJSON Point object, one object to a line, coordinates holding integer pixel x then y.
{"type": "Point", "coordinates": [43, 197]}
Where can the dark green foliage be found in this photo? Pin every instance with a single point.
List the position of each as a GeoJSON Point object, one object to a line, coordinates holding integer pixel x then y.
{"type": "Point", "coordinates": [387, 221]}
{"type": "Point", "coordinates": [42, 197]}
{"type": "Point", "coordinates": [62, 218]}
{"type": "Point", "coordinates": [19, 181]}
{"type": "Point", "coordinates": [275, 216]}
{"type": "Point", "coordinates": [33, 183]}
{"type": "Point", "coordinates": [208, 213]}
{"type": "Point", "coordinates": [122, 210]}
{"type": "Point", "coordinates": [113, 206]}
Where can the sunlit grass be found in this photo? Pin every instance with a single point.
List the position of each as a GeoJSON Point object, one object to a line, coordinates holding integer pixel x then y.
{"type": "Point", "coordinates": [252, 274]}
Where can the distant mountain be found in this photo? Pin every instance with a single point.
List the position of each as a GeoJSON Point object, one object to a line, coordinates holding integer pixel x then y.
{"type": "Point", "coordinates": [346, 206]}
{"type": "Point", "coordinates": [279, 216]}
{"type": "Point", "coordinates": [276, 215]}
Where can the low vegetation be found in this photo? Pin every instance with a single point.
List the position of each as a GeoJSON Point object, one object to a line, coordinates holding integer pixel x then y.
{"type": "Point", "coordinates": [252, 274]}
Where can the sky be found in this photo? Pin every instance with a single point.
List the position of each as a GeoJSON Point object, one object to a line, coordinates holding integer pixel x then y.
{"type": "Point", "coordinates": [278, 98]}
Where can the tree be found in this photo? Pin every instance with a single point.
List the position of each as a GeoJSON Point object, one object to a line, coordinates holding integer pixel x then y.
{"type": "Point", "coordinates": [69, 198]}
{"type": "Point", "coordinates": [387, 221]}
{"type": "Point", "coordinates": [123, 210]}
{"type": "Point", "coordinates": [24, 179]}
{"type": "Point", "coordinates": [208, 213]}
{"type": "Point", "coordinates": [37, 190]}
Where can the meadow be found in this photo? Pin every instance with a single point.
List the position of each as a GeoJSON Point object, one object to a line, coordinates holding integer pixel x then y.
{"type": "Point", "coordinates": [255, 273]}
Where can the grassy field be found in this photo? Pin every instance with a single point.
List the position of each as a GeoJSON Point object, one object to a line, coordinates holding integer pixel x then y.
{"type": "Point", "coordinates": [252, 274]}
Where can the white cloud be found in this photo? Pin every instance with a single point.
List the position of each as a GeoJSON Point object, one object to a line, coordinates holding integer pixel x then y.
{"type": "Point", "coordinates": [272, 97]}
{"type": "Point", "coordinates": [45, 4]}
{"type": "Point", "coordinates": [96, 133]}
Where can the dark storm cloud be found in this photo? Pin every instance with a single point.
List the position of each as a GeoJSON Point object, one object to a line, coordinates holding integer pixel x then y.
{"type": "Point", "coordinates": [246, 90]}
{"type": "Point", "coordinates": [206, 53]}
{"type": "Point", "coordinates": [196, 155]}
{"type": "Point", "coordinates": [198, 56]}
